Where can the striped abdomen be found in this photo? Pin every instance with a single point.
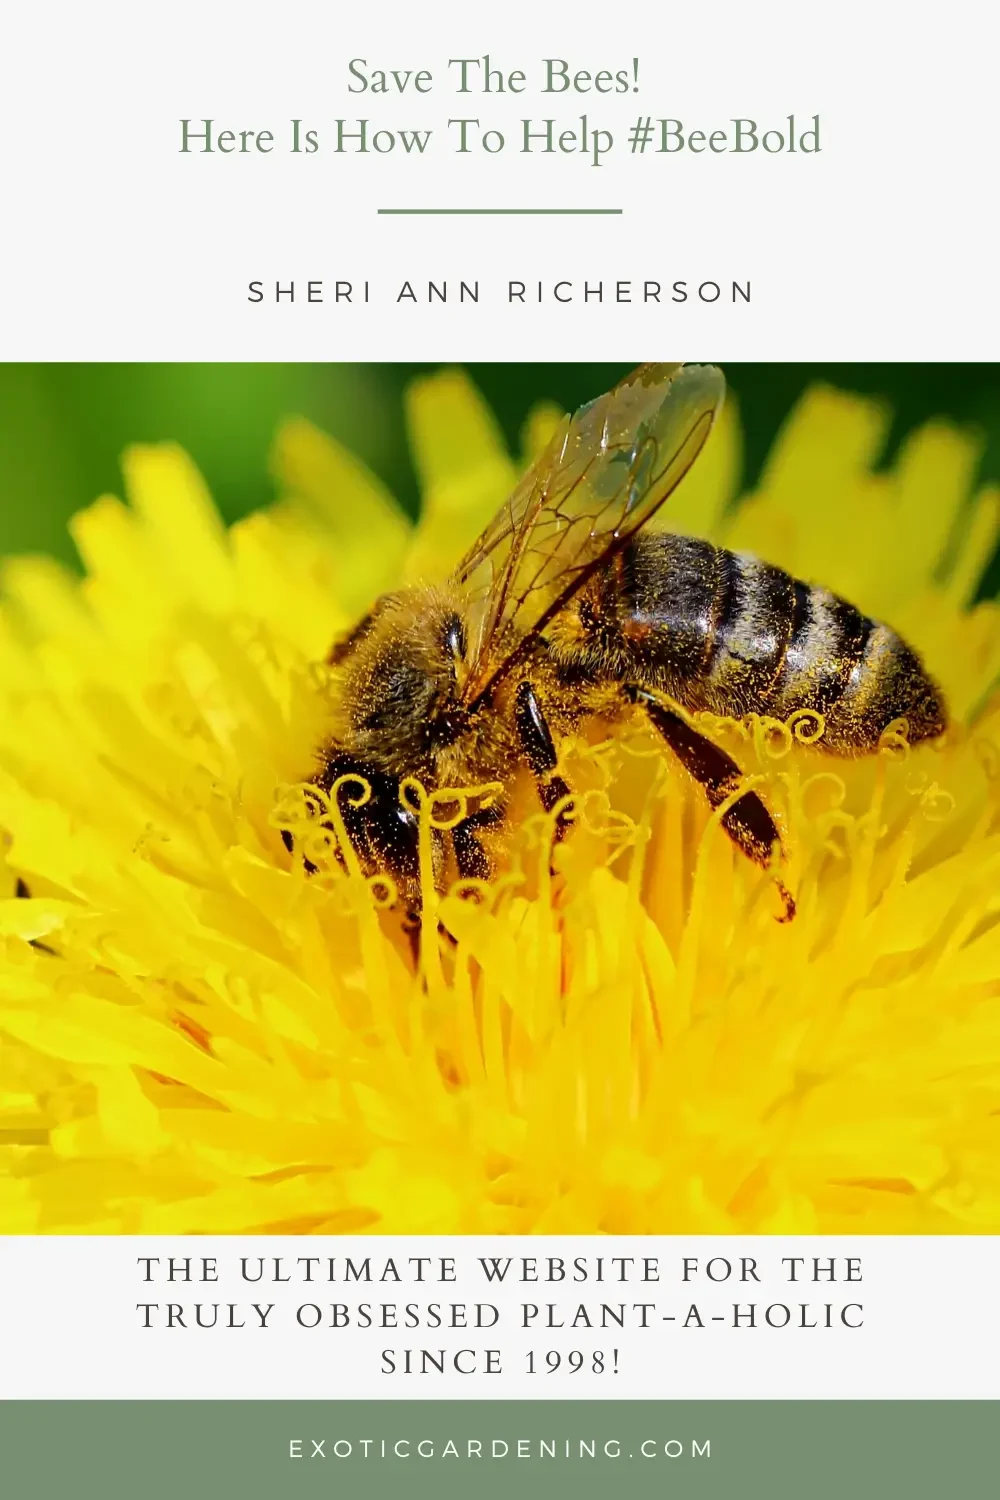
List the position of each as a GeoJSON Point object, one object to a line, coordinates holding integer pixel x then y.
{"type": "Point", "coordinates": [725, 632]}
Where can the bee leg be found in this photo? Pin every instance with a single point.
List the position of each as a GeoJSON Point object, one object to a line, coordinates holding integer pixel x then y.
{"type": "Point", "coordinates": [748, 822]}
{"type": "Point", "coordinates": [539, 751]}
{"type": "Point", "coordinates": [411, 930]}
{"type": "Point", "coordinates": [289, 843]}
{"type": "Point", "coordinates": [472, 861]}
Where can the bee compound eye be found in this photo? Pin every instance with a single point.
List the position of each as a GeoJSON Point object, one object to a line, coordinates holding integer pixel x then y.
{"type": "Point", "coordinates": [454, 637]}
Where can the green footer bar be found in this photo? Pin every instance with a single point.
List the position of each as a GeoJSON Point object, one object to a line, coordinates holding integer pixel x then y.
{"type": "Point", "coordinates": [267, 1450]}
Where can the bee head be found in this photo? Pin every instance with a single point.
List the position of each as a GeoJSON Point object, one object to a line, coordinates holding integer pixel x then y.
{"type": "Point", "coordinates": [401, 673]}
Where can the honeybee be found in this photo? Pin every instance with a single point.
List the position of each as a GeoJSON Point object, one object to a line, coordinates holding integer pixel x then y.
{"type": "Point", "coordinates": [565, 609]}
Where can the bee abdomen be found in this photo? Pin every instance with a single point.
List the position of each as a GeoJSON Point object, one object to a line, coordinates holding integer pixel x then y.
{"type": "Point", "coordinates": [827, 643]}
{"type": "Point", "coordinates": [788, 646]}
{"type": "Point", "coordinates": [726, 632]}
{"type": "Point", "coordinates": [754, 617]}
{"type": "Point", "coordinates": [711, 625]}
{"type": "Point", "coordinates": [858, 673]}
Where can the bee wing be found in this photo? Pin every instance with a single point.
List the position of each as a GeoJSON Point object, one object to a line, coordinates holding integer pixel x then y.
{"type": "Point", "coordinates": [605, 472]}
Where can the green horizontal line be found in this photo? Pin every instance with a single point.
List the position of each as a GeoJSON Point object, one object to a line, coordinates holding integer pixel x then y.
{"type": "Point", "coordinates": [500, 210]}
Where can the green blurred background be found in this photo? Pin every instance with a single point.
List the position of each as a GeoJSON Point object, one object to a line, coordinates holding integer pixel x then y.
{"type": "Point", "coordinates": [62, 426]}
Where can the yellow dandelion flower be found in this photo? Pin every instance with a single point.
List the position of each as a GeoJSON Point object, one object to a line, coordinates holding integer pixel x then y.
{"type": "Point", "coordinates": [198, 1036]}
